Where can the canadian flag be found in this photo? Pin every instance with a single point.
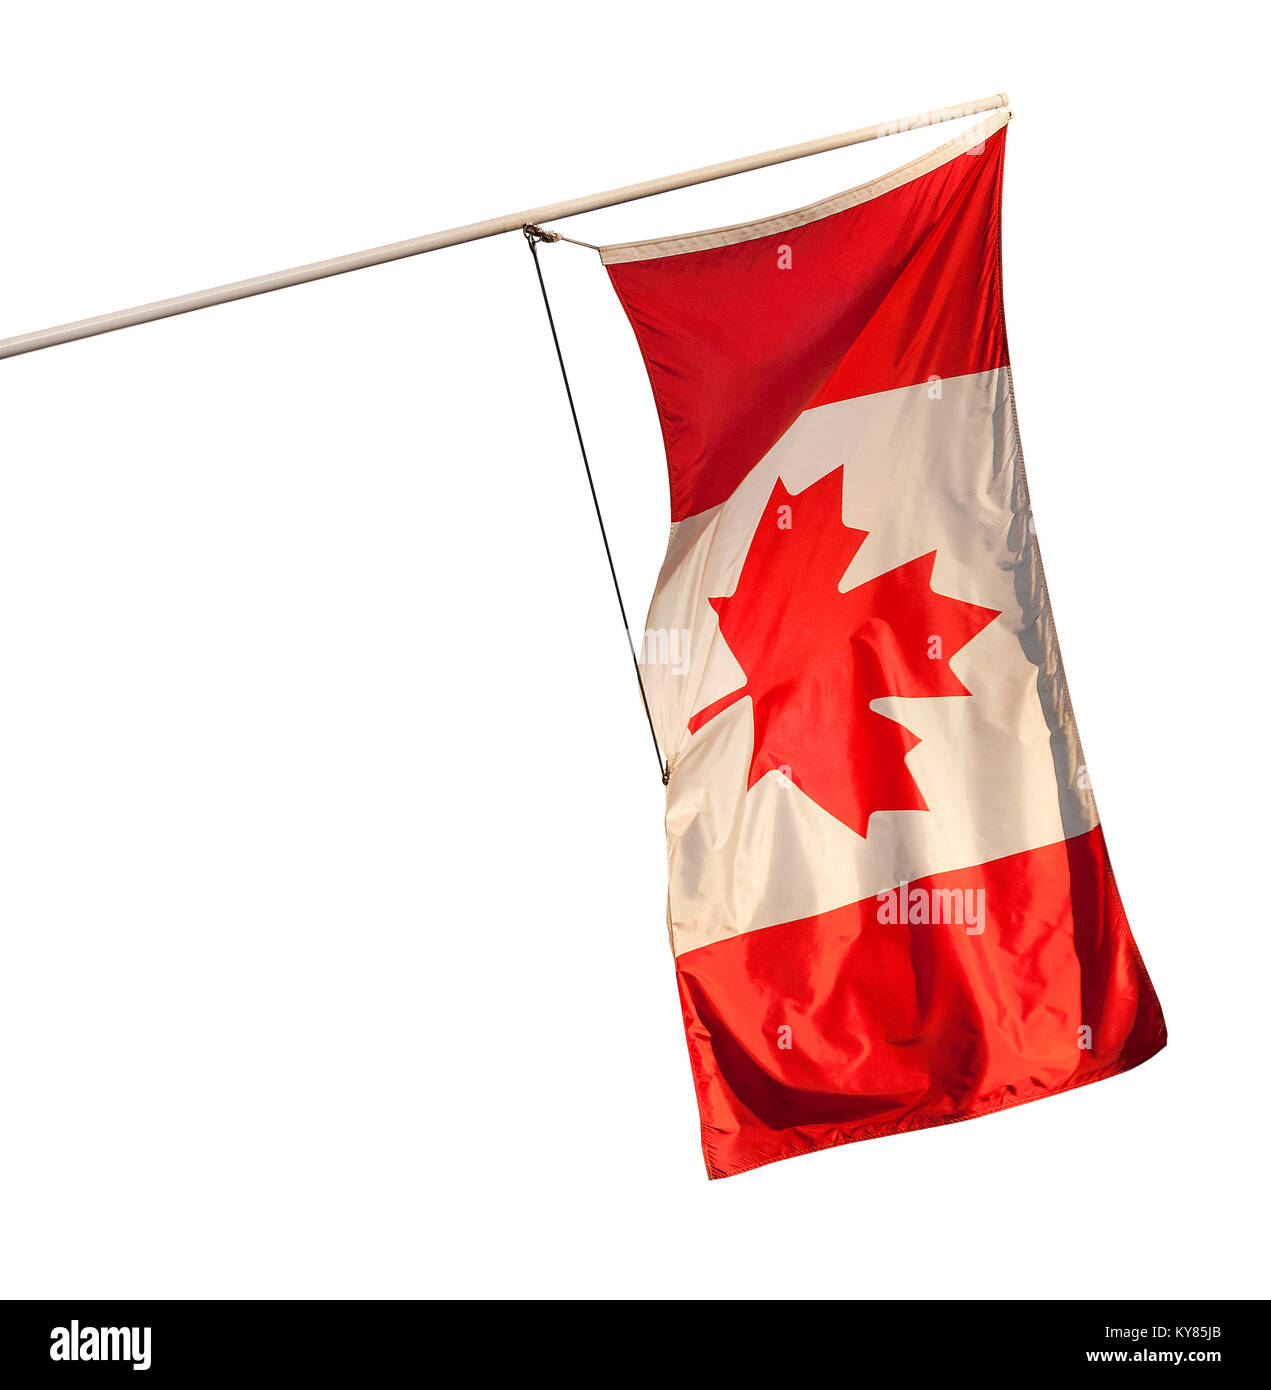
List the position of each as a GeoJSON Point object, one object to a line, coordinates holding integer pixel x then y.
{"type": "Point", "coordinates": [890, 900]}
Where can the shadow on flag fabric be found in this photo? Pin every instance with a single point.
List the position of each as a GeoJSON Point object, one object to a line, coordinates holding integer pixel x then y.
{"type": "Point", "coordinates": [890, 900]}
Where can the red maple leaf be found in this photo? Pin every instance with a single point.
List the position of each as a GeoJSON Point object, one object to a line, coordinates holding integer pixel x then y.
{"type": "Point", "coordinates": [815, 658]}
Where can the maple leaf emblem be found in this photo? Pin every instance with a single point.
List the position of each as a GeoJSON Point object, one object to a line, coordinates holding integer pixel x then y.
{"type": "Point", "coordinates": [815, 658]}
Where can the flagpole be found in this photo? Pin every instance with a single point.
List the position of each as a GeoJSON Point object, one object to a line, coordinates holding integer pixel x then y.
{"type": "Point", "coordinates": [475, 231]}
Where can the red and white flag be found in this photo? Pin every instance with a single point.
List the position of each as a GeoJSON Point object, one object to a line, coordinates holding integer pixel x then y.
{"type": "Point", "coordinates": [890, 899]}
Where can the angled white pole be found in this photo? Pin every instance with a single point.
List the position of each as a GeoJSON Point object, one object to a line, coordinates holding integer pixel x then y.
{"type": "Point", "coordinates": [474, 231]}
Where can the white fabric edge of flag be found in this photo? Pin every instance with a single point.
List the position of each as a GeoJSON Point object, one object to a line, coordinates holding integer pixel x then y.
{"type": "Point", "coordinates": [619, 254]}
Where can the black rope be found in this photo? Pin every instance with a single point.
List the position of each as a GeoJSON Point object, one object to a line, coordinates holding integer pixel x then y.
{"type": "Point", "coordinates": [533, 235]}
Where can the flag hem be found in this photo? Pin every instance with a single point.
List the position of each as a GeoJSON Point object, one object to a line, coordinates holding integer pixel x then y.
{"type": "Point", "coordinates": [884, 1131]}
{"type": "Point", "coordinates": [625, 252]}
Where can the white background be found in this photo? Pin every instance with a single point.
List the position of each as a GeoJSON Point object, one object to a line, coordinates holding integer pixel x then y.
{"type": "Point", "coordinates": [331, 863]}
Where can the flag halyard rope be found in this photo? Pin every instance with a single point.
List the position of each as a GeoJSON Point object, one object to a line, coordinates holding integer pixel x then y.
{"type": "Point", "coordinates": [534, 235]}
